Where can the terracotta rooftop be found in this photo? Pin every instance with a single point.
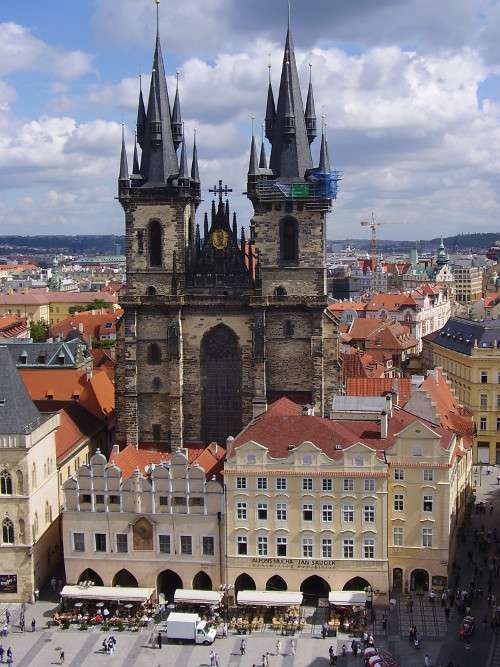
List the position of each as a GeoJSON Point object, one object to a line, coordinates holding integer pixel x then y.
{"type": "Point", "coordinates": [340, 306]}
{"type": "Point", "coordinates": [283, 425]}
{"type": "Point", "coordinates": [357, 386]}
{"type": "Point", "coordinates": [99, 394]}
{"type": "Point", "coordinates": [58, 384]}
{"type": "Point", "coordinates": [90, 324]}
{"type": "Point", "coordinates": [390, 301]}
{"type": "Point", "coordinates": [359, 364]}
{"type": "Point", "coordinates": [12, 325]}
{"type": "Point", "coordinates": [76, 425]}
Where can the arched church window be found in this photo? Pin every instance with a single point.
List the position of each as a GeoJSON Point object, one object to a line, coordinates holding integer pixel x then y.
{"type": "Point", "coordinates": [20, 482]}
{"type": "Point", "coordinates": [7, 531]}
{"type": "Point", "coordinates": [156, 384]}
{"type": "Point", "coordinates": [279, 291]}
{"type": "Point", "coordinates": [289, 240]}
{"type": "Point", "coordinates": [151, 291]}
{"type": "Point", "coordinates": [5, 483]}
{"type": "Point", "coordinates": [155, 238]}
{"type": "Point", "coordinates": [154, 354]}
{"type": "Point", "coordinates": [288, 328]}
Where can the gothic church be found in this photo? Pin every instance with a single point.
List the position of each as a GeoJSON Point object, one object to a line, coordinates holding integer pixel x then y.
{"type": "Point", "coordinates": [219, 321]}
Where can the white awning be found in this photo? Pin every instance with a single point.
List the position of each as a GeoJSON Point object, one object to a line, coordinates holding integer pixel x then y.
{"type": "Point", "coordinates": [347, 598]}
{"type": "Point", "coordinates": [129, 594]}
{"type": "Point", "coordinates": [197, 597]}
{"type": "Point", "coordinates": [269, 598]}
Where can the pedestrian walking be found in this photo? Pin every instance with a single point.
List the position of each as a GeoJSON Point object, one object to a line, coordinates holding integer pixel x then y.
{"type": "Point", "coordinates": [216, 660]}
{"type": "Point", "coordinates": [105, 645]}
{"type": "Point", "coordinates": [293, 646]}
{"type": "Point", "coordinates": [53, 584]}
{"type": "Point", "coordinates": [33, 625]}
{"type": "Point", "coordinates": [7, 616]}
{"type": "Point", "coordinates": [5, 630]}
{"type": "Point", "coordinates": [10, 656]}
{"type": "Point", "coordinates": [331, 653]}
{"type": "Point", "coordinates": [212, 658]}
{"type": "Point", "coordinates": [61, 658]}
{"type": "Point", "coordinates": [278, 647]}
{"type": "Point", "coordinates": [243, 647]}
{"type": "Point", "coordinates": [427, 660]}
{"type": "Point", "coordinates": [159, 640]}
{"type": "Point", "coordinates": [324, 630]}
{"type": "Point", "coordinates": [2, 652]}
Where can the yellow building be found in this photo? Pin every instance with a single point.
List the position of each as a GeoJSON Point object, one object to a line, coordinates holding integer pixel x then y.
{"type": "Point", "coordinates": [469, 353]}
{"type": "Point", "coordinates": [32, 305]}
{"type": "Point", "coordinates": [29, 509]}
{"type": "Point", "coordinates": [62, 303]}
{"type": "Point", "coordinates": [51, 307]}
{"type": "Point", "coordinates": [315, 505]}
{"type": "Point", "coordinates": [468, 283]}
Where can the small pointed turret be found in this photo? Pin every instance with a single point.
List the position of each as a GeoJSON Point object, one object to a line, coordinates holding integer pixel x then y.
{"type": "Point", "coordinates": [153, 117]}
{"type": "Point", "coordinates": [177, 118]}
{"type": "Point", "coordinates": [205, 227]}
{"type": "Point", "coordinates": [141, 116]}
{"type": "Point", "coordinates": [214, 211]}
{"type": "Point", "coordinates": [288, 112]}
{"type": "Point", "coordinates": [263, 157]}
{"type": "Point", "coordinates": [243, 242]}
{"type": "Point", "coordinates": [184, 178]}
{"type": "Point", "coordinates": [136, 169]}
{"type": "Point", "coordinates": [197, 240]}
{"type": "Point", "coordinates": [195, 172]}
{"type": "Point", "coordinates": [310, 114]}
{"type": "Point", "coordinates": [235, 228]}
{"type": "Point", "coordinates": [226, 212]}
{"type": "Point", "coordinates": [253, 164]}
{"type": "Point", "coordinates": [124, 175]}
{"type": "Point", "coordinates": [270, 110]}
{"type": "Point", "coordinates": [324, 157]}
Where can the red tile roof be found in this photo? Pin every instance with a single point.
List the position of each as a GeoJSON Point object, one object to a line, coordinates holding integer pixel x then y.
{"type": "Point", "coordinates": [91, 324]}
{"type": "Point", "coordinates": [283, 426]}
{"type": "Point", "coordinates": [99, 394]}
{"type": "Point", "coordinates": [63, 384]}
{"type": "Point", "coordinates": [12, 325]}
{"type": "Point", "coordinates": [357, 386]}
{"type": "Point", "coordinates": [390, 301]}
{"type": "Point", "coordinates": [76, 425]}
{"type": "Point", "coordinates": [340, 306]}
{"type": "Point", "coordinates": [359, 364]}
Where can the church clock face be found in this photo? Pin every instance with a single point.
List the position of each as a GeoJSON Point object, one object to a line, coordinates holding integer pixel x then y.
{"type": "Point", "coordinates": [220, 239]}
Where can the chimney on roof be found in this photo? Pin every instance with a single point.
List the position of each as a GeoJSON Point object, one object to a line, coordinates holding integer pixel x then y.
{"type": "Point", "coordinates": [80, 327]}
{"type": "Point", "coordinates": [307, 410]}
{"type": "Point", "coordinates": [116, 449]}
{"type": "Point", "coordinates": [229, 447]}
{"type": "Point", "coordinates": [89, 373]}
{"type": "Point", "coordinates": [384, 423]}
{"type": "Point", "coordinates": [388, 399]}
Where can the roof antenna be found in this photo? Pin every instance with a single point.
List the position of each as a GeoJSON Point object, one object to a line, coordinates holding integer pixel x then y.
{"type": "Point", "coordinates": [289, 15]}
{"type": "Point", "coordinates": [269, 67]}
{"type": "Point", "coordinates": [157, 17]}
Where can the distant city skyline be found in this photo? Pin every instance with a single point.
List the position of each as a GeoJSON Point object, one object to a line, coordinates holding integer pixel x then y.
{"type": "Point", "coordinates": [410, 91]}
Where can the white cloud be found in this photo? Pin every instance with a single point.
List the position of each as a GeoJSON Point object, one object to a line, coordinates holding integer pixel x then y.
{"type": "Point", "coordinates": [21, 51]}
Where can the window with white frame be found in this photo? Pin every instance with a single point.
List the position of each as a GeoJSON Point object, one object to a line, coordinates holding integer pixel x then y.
{"type": "Point", "coordinates": [281, 544]}
{"type": "Point", "coordinates": [262, 511]}
{"type": "Point", "coordinates": [348, 484]}
{"type": "Point", "coordinates": [307, 547]}
{"type": "Point", "coordinates": [427, 503]}
{"type": "Point", "coordinates": [281, 512]}
{"type": "Point", "coordinates": [327, 484]}
{"type": "Point", "coordinates": [327, 513]}
{"type": "Point", "coordinates": [399, 502]}
{"type": "Point", "coordinates": [241, 482]}
{"type": "Point", "coordinates": [241, 511]}
{"type": "Point", "coordinates": [369, 513]}
{"type": "Point", "coordinates": [307, 512]}
{"type": "Point", "coordinates": [164, 544]}
{"type": "Point", "coordinates": [399, 474]}
{"type": "Point", "coordinates": [326, 547]}
{"type": "Point", "coordinates": [428, 475]}
{"type": "Point", "coordinates": [262, 483]}
{"type": "Point", "coordinates": [483, 401]}
{"type": "Point", "coordinates": [307, 460]}
{"type": "Point", "coordinates": [242, 545]}
{"type": "Point", "coordinates": [358, 460]}
{"type": "Point", "coordinates": [78, 541]}
{"type": "Point", "coordinates": [186, 545]}
{"type": "Point", "coordinates": [348, 513]}
{"type": "Point", "coordinates": [251, 459]}
{"type": "Point", "coordinates": [369, 485]}
{"type": "Point", "coordinates": [369, 547]}
{"type": "Point", "coordinates": [281, 484]}
{"type": "Point", "coordinates": [417, 451]}
{"type": "Point", "coordinates": [348, 547]}
{"type": "Point", "coordinates": [307, 484]}
{"type": "Point", "coordinates": [398, 535]}
{"type": "Point", "coordinates": [208, 545]}
{"type": "Point", "coordinates": [262, 545]}
{"type": "Point", "coordinates": [427, 537]}
{"type": "Point", "coordinates": [122, 543]}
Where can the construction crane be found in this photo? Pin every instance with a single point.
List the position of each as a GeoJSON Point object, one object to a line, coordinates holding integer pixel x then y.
{"type": "Point", "coordinates": [373, 245]}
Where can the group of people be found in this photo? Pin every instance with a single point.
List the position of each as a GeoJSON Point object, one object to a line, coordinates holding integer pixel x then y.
{"type": "Point", "coordinates": [6, 653]}
{"type": "Point", "coordinates": [108, 645]}
{"type": "Point", "coordinates": [214, 659]}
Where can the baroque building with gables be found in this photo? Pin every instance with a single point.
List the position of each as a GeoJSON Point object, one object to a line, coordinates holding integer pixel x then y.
{"type": "Point", "coordinates": [219, 321]}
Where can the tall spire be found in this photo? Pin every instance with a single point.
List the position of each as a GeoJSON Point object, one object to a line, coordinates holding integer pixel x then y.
{"type": "Point", "coordinates": [159, 159]}
{"type": "Point", "coordinates": [124, 175]}
{"type": "Point", "coordinates": [291, 153]}
{"type": "Point", "coordinates": [263, 157]}
{"type": "Point", "coordinates": [136, 170]}
{"type": "Point", "coordinates": [141, 116]}
{"type": "Point", "coordinates": [183, 167]}
{"type": "Point", "coordinates": [195, 172]}
{"type": "Point", "coordinates": [177, 118]}
{"type": "Point", "coordinates": [324, 157]}
{"type": "Point", "coordinates": [270, 110]}
{"type": "Point", "coordinates": [254, 162]}
{"type": "Point", "coordinates": [310, 111]}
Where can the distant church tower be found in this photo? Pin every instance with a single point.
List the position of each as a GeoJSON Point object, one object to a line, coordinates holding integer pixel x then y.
{"type": "Point", "coordinates": [219, 322]}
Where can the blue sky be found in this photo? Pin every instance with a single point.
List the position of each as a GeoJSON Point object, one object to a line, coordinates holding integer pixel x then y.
{"type": "Point", "coordinates": [411, 89]}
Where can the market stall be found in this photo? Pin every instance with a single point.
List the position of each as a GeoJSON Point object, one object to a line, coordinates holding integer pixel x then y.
{"type": "Point", "coordinates": [347, 611]}
{"type": "Point", "coordinates": [278, 609]}
{"type": "Point", "coordinates": [113, 606]}
{"type": "Point", "coordinates": [184, 596]}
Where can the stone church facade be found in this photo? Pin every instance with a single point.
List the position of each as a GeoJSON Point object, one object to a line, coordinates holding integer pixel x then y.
{"type": "Point", "coordinates": [218, 320]}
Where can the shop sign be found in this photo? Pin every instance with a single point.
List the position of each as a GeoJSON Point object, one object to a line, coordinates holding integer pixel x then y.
{"type": "Point", "coordinates": [294, 563]}
{"type": "Point", "coordinates": [8, 583]}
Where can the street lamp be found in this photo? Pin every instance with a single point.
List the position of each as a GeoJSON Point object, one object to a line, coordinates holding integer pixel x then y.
{"type": "Point", "coordinates": [226, 589]}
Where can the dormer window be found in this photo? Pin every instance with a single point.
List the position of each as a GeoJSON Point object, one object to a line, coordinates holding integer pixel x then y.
{"type": "Point", "coordinates": [23, 359]}
{"type": "Point", "coordinates": [251, 459]}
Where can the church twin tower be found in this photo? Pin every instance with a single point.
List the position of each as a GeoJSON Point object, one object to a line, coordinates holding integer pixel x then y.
{"type": "Point", "coordinates": [219, 322]}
